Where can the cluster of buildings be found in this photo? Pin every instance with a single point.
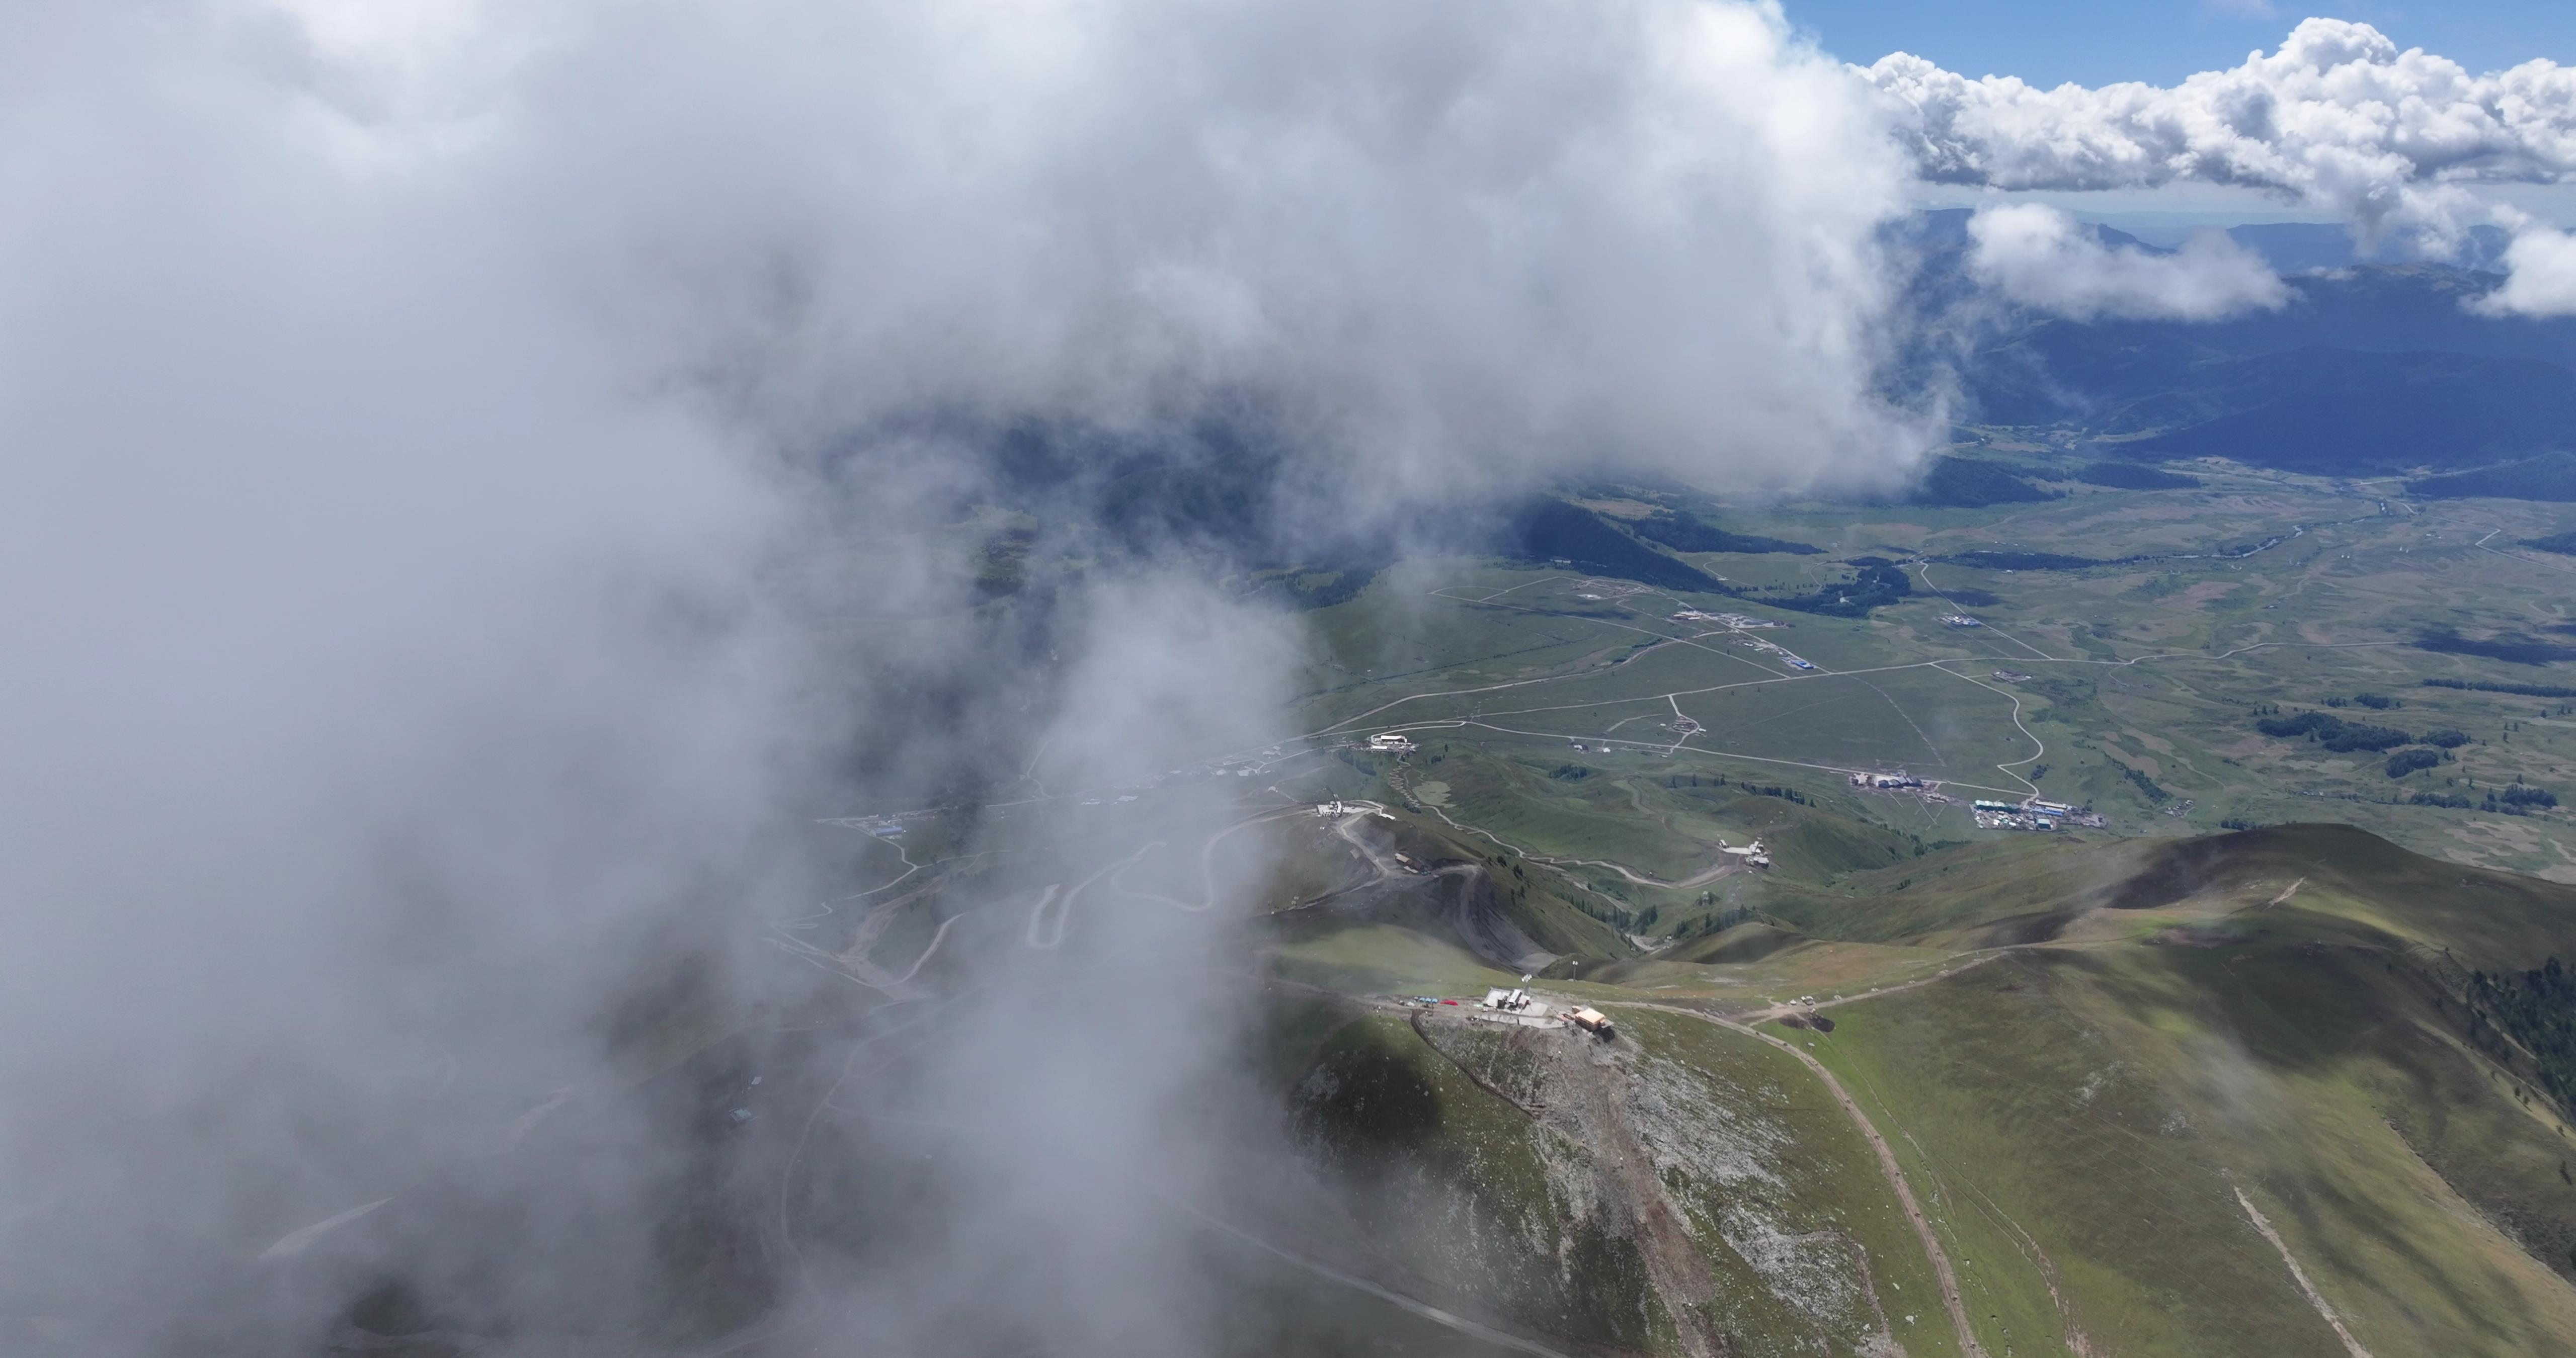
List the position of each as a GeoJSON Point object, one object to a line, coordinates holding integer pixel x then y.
{"type": "Point", "coordinates": [1753, 854]}
{"type": "Point", "coordinates": [1515, 1005]}
{"type": "Point", "coordinates": [1735, 620]}
{"type": "Point", "coordinates": [1960, 620]}
{"type": "Point", "coordinates": [1900, 778]}
{"type": "Point", "coordinates": [2033, 814]}
{"type": "Point", "coordinates": [1781, 651]}
{"type": "Point", "coordinates": [1391, 742]}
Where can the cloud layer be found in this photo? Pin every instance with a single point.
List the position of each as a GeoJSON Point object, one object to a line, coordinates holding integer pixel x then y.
{"type": "Point", "coordinates": [2338, 117]}
{"type": "Point", "coordinates": [2540, 268]}
{"type": "Point", "coordinates": [2041, 257]}
{"type": "Point", "coordinates": [1451, 246]}
{"type": "Point", "coordinates": [481, 481]}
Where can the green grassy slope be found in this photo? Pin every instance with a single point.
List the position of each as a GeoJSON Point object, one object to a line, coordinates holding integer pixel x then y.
{"type": "Point", "coordinates": [2087, 1111]}
{"type": "Point", "coordinates": [2353, 885]}
{"type": "Point", "coordinates": [2012, 891]}
{"type": "Point", "coordinates": [1543, 904]}
{"type": "Point", "coordinates": [2087, 1118]}
{"type": "Point", "coordinates": [2278, 1014]}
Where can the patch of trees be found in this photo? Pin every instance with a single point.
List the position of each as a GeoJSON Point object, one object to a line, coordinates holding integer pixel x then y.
{"type": "Point", "coordinates": [2536, 1009]}
{"type": "Point", "coordinates": [2448, 738]}
{"type": "Point", "coordinates": [2562, 543]}
{"type": "Point", "coordinates": [1569, 773]}
{"type": "Point", "coordinates": [1876, 581]}
{"type": "Point", "coordinates": [1787, 794]}
{"type": "Point", "coordinates": [2405, 762]}
{"type": "Point", "coordinates": [2146, 786]}
{"type": "Point", "coordinates": [2349, 737]}
{"type": "Point", "coordinates": [1972, 483]}
{"type": "Point", "coordinates": [2485, 686]}
{"type": "Point", "coordinates": [2334, 733]}
{"type": "Point", "coordinates": [1622, 920]}
{"type": "Point", "coordinates": [2377, 702]}
{"type": "Point", "coordinates": [1718, 922]}
{"type": "Point", "coordinates": [1552, 530]}
{"type": "Point", "coordinates": [1691, 535]}
{"type": "Point", "coordinates": [2515, 648]}
{"type": "Point", "coordinates": [2521, 799]}
{"type": "Point", "coordinates": [2131, 476]}
{"type": "Point", "coordinates": [2234, 823]}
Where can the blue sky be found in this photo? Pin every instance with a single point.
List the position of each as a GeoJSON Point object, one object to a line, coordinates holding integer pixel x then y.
{"type": "Point", "coordinates": [2048, 42]}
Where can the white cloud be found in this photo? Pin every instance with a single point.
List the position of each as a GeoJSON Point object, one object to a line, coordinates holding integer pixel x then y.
{"type": "Point", "coordinates": [432, 625]}
{"type": "Point", "coordinates": [2540, 277]}
{"type": "Point", "coordinates": [1461, 239]}
{"type": "Point", "coordinates": [2041, 257]}
{"type": "Point", "coordinates": [2337, 118]}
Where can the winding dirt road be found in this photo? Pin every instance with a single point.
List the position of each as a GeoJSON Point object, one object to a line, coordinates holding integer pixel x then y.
{"type": "Point", "coordinates": [1774, 1011]}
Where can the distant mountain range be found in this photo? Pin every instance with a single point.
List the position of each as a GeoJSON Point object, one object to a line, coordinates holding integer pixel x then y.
{"type": "Point", "coordinates": [2372, 368]}
{"type": "Point", "coordinates": [2299, 247]}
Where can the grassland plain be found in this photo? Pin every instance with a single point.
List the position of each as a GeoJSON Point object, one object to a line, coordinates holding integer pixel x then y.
{"type": "Point", "coordinates": [2132, 684]}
